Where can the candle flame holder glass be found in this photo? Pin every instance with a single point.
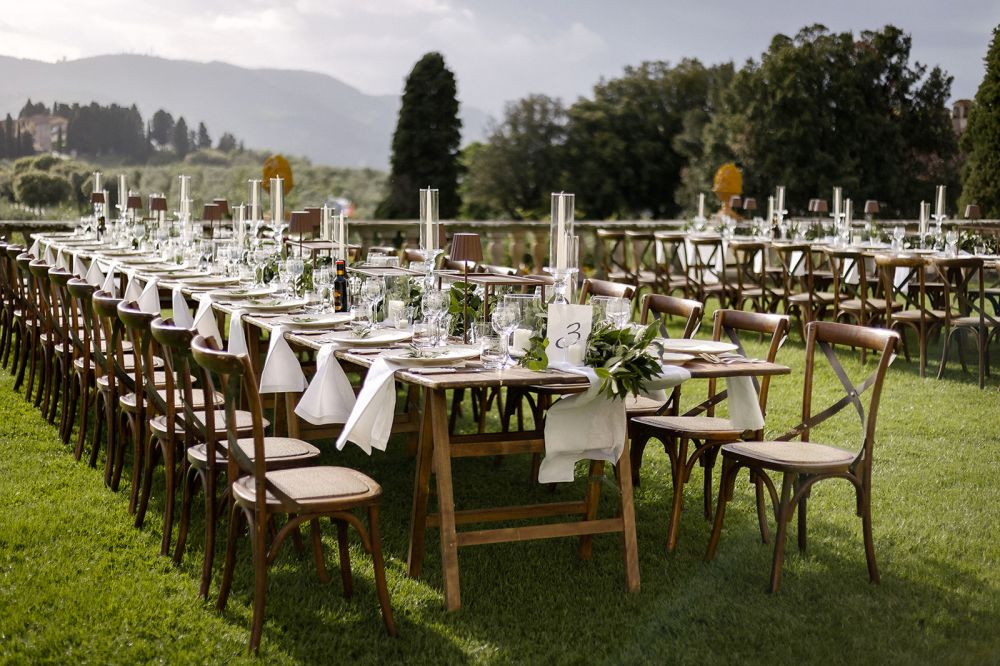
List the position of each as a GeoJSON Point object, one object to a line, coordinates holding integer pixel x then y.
{"type": "Point", "coordinates": [563, 277]}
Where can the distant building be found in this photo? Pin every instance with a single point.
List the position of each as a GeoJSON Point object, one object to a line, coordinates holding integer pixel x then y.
{"type": "Point", "coordinates": [45, 129]}
{"type": "Point", "coordinates": [960, 115]}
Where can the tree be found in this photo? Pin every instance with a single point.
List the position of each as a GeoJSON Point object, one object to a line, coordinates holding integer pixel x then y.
{"type": "Point", "coordinates": [823, 109]}
{"type": "Point", "coordinates": [425, 143]}
{"type": "Point", "coordinates": [181, 141]}
{"type": "Point", "coordinates": [162, 128]}
{"type": "Point", "coordinates": [30, 109]}
{"type": "Point", "coordinates": [204, 141]}
{"type": "Point", "coordinates": [227, 143]}
{"type": "Point", "coordinates": [37, 188]}
{"type": "Point", "coordinates": [514, 172]}
{"type": "Point", "coordinates": [981, 140]}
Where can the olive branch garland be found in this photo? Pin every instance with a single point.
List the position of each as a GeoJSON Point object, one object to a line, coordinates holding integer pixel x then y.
{"type": "Point", "coordinates": [619, 356]}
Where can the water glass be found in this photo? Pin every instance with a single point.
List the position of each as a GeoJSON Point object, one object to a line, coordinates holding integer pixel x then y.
{"type": "Point", "coordinates": [491, 351]}
{"type": "Point", "coordinates": [361, 318]}
{"type": "Point", "coordinates": [951, 242]}
{"type": "Point", "coordinates": [898, 233]}
{"type": "Point", "coordinates": [619, 312]}
{"type": "Point", "coordinates": [425, 333]}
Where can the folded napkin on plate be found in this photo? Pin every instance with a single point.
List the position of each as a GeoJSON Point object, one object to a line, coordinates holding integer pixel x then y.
{"type": "Point", "coordinates": [79, 268]}
{"type": "Point", "coordinates": [149, 299]}
{"type": "Point", "coordinates": [590, 426]}
{"type": "Point", "coordinates": [282, 372]}
{"type": "Point", "coordinates": [94, 275]}
{"type": "Point", "coordinates": [370, 422]}
{"type": "Point", "coordinates": [330, 397]}
{"type": "Point", "coordinates": [110, 283]}
{"type": "Point", "coordinates": [237, 338]}
{"type": "Point", "coordinates": [744, 404]}
{"type": "Point", "coordinates": [204, 320]}
{"type": "Point", "coordinates": [132, 289]}
{"type": "Point", "coordinates": [36, 247]}
{"type": "Point", "coordinates": [182, 315]}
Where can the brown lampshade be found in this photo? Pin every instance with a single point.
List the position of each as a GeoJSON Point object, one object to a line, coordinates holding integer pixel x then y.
{"type": "Point", "coordinates": [211, 212]}
{"type": "Point", "coordinates": [972, 212]}
{"type": "Point", "coordinates": [223, 205]}
{"type": "Point", "coordinates": [821, 206]}
{"type": "Point", "coordinates": [735, 201]}
{"type": "Point", "coordinates": [134, 202]}
{"type": "Point", "coordinates": [301, 222]}
{"type": "Point", "coordinates": [749, 204]}
{"type": "Point", "coordinates": [812, 206]}
{"type": "Point", "coordinates": [315, 215]}
{"type": "Point", "coordinates": [466, 247]}
{"type": "Point", "coordinates": [157, 204]}
{"type": "Point", "coordinates": [871, 207]}
{"type": "Point", "coordinates": [97, 197]}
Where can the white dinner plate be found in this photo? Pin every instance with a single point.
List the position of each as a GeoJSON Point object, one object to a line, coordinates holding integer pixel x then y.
{"type": "Point", "coordinates": [673, 358]}
{"type": "Point", "coordinates": [442, 356]}
{"type": "Point", "coordinates": [210, 281]}
{"type": "Point", "coordinates": [269, 304]}
{"type": "Point", "coordinates": [317, 320]}
{"type": "Point", "coordinates": [241, 293]}
{"type": "Point", "coordinates": [686, 346]}
{"type": "Point", "coordinates": [377, 339]}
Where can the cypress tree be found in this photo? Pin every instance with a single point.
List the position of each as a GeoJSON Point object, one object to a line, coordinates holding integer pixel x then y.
{"type": "Point", "coordinates": [425, 144]}
{"type": "Point", "coordinates": [981, 140]}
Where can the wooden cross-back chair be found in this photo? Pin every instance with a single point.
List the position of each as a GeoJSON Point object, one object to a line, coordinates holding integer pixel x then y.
{"type": "Point", "coordinates": [699, 427]}
{"type": "Point", "coordinates": [671, 262]}
{"type": "Point", "coordinates": [596, 287]}
{"type": "Point", "coordinates": [801, 294]}
{"type": "Point", "coordinates": [706, 270]}
{"type": "Point", "coordinates": [910, 292]}
{"type": "Point", "coordinates": [612, 254]}
{"type": "Point", "coordinates": [964, 310]}
{"type": "Point", "coordinates": [804, 463]}
{"type": "Point", "coordinates": [32, 341]}
{"type": "Point", "coordinates": [6, 303]}
{"type": "Point", "coordinates": [81, 295]}
{"type": "Point", "coordinates": [18, 314]}
{"type": "Point", "coordinates": [303, 494]}
{"type": "Point", "coordinates": [641, 261]}
{"type": "Point", "coordinates": [749, 279]}
{"type": "Point", "coordinates": [66, 349]}
{"type": "Point", "coordinates": [49, 338]}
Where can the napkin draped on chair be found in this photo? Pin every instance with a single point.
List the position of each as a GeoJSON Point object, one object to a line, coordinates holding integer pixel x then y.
{"type": "Point", "coordinates": [36, 247]}
{"type": "Point", "coordinates": [79, 268]}
{"type": "Point", "coordinates": [330, 397]}
{"type": "Point", "coordinates": [94, 275]}
{"type": "Point", "coordinates": [237, 338]}
{"type": "Point", "coordinates": [204, 320]}
{"type": "Point", "coordinates": [110, 283]}
{"type": "Point", "coordinates": [132, 289]}
{"type": "Point", "coordinates": [182, 315]}
{"type": "Point", "coordinates": [282, 372]}
{"type": "Point", "coordinates": [149, 299]}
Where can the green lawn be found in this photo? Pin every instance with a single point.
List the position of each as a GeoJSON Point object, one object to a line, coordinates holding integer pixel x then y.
{"type": "Point", "coordinates": [79, 584]}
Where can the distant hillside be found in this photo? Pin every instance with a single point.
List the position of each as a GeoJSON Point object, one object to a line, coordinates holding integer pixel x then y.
{"type": "Point", "coordinates": [291, 111]}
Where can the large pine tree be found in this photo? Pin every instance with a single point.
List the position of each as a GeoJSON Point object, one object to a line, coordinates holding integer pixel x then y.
{"type": "Point", "coordinates": [981, 140]}
{"type": "Point", "coordinates": [425, 144]}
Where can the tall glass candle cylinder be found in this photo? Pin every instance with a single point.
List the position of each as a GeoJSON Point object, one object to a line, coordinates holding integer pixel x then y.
{"type": "Point", "coordinates": [97, 182]}
{"type": "Point", "coordinates": [277, 201]}
{"type": "Point", "coordinates": [838, 194]}
{"type": "Point", "coordinates": [770, 209]}
{"type": "Point", "coordinates": [429, 219]}
{"type": "Point", "coordinates": [122, 193]}
{"type": "Point", "coordinates": [254, 199]}
{"type": "Point", "coordinates": [341, 236]}
{"type": "Point", "coordinates": [779, 202]}
{"type": "Point", "coordinates": [701, 204]}
{"type": "Point", "coordinates": [563, 213]}
{"type": "Point", "coordinates": [940, 201]}
{"type": "Point", "coordinates": [925, 213]}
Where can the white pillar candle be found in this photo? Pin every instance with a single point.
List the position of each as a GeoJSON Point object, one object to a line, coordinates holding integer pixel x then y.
{"type": "Point", "coordinates": [522, 340]}
{"type": "Point", "coordinates": [97, 181]}
{"type": "Point", "coordinates": [701, 204]}
{"type": "Point", "coordinates": [940, 201]}
{"type": "Point", "coordinates": [122, 193]}
{"type": "Point", "coordinates": [848, 212]}
{"type": "Point", "coordinates": [561, 233]}
{"type": "Point", "coordinates": [277, 202]}
{"type": "Point", "coordinates": [429, 235]}
{"type": "Point", "coordinates": [780, 202]}
{"type": "Point", "coordinates": [837, 203]}
{"type": "Point", "coordinates": [925, 211]}
{"type": "Point", "coordinates": [254, 200]}
{"type": "Point", "coordinates": [341, 236]}
{"type": "Point", "coordinates": [770, 209]}
{"type": "Point", "coordinates": [393, 310]}
{"type": "Point", "coordinates": [576, 353]}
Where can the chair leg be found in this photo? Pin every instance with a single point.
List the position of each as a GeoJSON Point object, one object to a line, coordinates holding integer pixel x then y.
{"type": "Point", "coordinates": [138, 460]}
{"type": "Point", "coordinates": [864, 499]}
{"type": "Point", "coordinates": [210, 527]}
{"type": "Point", "coordinates": [758, 486]}
{"type": "Point", "coordinates": [801, 508]}
{"type": "Point", "coordinates": [637, 446]}
{"type": "Point", "coordinates": [169, 475]}
{"type": "Point", "coordinates": [81, 435]}
{"type": "Point", "coordinates": [95, 446]}
{"type": "Point", "coordinates": [147, 481]}
{"type": "Point", "coordinates": [235, 513]}
{"type": "Point", "coordinates": [726, 484]}
{"type": "Point", "coordinates": [258, 530]}
{"type": "Point", "coordinates": [318, 551]}
{"type": "Point", "coordinates": [187, 492]}
{"type": "Point", "coordinates": [784, 509]}
{"type": "Point", "coordinates": [677, 472]}
{"type": "Point", "coordinates": [344, 553]}
{"type": "Point", "coordinates": [379, 566]}
{"type": "Point", "coordinates": [708, 463]}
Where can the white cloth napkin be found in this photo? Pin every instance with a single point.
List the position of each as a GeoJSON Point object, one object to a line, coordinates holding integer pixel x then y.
{"type": "Point", "coordinates": [94, 275]}
{"type": "Point", "coordinates": [744, 404]}
{"type": "Point", "coordinates": [36, 247]}
{"type": "Point", "coordinates": [182, 315]}
{"type": "Point", "coordinates": [62, 260]}
{"type": "Point", "coordinates": [370, 422]}
{"type": "Point", "coordinates": [110, 284]}
{"type": "Point", "coordinates": [149, 299]}
{"type": "Point", "coordinates": [590, 426]}
{"type": "Point", "coordinates": [50, 256]}
{"type": "Point", "coordinates": [237, 338]}
{"type": "Point", "coordinates": [79, 268]}
{"type": "Point", "coordinates": [132, 289]}
{"type": "Point", "coordinates": [282, 372]}
{"type": "Point", "coordinates": [329, 398]}
{"type": "Point", "coordinates": [204, 320]}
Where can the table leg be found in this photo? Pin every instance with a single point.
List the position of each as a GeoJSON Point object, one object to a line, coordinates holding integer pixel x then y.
{"type": "Point", "coordinates": [291, 418]}
{"type": "Point", "coordinates": [592, 500]}
{"type": "Point", "coordinates": [446, 500]}
{"type": "Point", "coordinates": [629, 541]}
{"type": "Point", "coordinates": [421, 491]}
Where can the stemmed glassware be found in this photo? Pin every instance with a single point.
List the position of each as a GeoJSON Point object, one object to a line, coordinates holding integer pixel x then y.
{"type": "Point", "coordinates": [898, 234]}
{"type": "Point", "coordinates": [619, 312]}
{"type": "Point", "coordinates": [434, 303]}
{"type": "Point", "coordinates": [294, 268]}
{"type": "Point", "coordinates": [373, 291]}
{"type": "Point", "coordinates": [505, 319]}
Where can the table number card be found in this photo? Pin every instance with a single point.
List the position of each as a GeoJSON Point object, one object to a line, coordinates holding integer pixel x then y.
{"type": "Point", "coordinates": [568, 330]}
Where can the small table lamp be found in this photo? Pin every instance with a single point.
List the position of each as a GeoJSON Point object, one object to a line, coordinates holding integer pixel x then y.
{"type": "Point", "coordinates": [750, 204]}
{"type": "Point", "coordinates": [822, 206]}
{"type": "Point", "coordinates": [872, 207]}
{"type": "Point", "coordinates": [467, 248]}
{"type": "Point", "coordinates": [972, 212]}
{"type": "Point", "coordinates": [223, 205]}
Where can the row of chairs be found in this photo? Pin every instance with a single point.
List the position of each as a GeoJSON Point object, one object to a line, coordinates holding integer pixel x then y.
{"type": "Point", "coordinates": [76, 350]}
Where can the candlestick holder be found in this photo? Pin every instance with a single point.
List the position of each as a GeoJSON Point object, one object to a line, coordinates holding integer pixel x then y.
{"type": "Point", "coordinates": [562, 282]}
{"type": "Point", "coordinates": [699, 222]}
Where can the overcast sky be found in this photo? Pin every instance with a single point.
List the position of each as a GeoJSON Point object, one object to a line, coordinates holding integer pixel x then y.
{"type": "Point", "coordinates": [499, 49]}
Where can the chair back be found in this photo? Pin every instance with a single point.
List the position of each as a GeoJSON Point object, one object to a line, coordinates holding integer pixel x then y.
{"type": "Point", "coordinates": [671, 257]}
{"type": "Point", "coordinates": [493, 269]}
{"type": "Point", "coordinates": [842, 263]}
{"type": "Point", "coordinates": [108, 341]}
{"type": "Point", "coordinates": [238, 382]}
{"type": "Point", "coordinates": [795, 261]}
{"type": "Point", "coordinates": [64, 308]}
{"type": "Point", "coordinates": [824, 335]}
{"type": "Point", "coordinates": [900, 291]}
{"type": "Point", "coordinates": [660, 304]}
{"type": "Point", "coordinates": [706, 264]}
{"type": "Point", "coordinates": [136, 325]}
{"type": "Point", "coordinates": [81, 294]}
{"type": "Point", "coordinates": [730, 323]}
{"type": "Point", "coordinates": [964, 291]}
{"type": "Point", "coordinates": [595, 287]}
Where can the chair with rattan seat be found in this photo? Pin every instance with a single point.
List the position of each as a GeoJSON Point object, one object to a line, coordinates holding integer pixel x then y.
{"type": "Point", "coordinates": [82, 293]}
{"type": "Point", "coordinates": [916, 312]}
{"type": "Point", "coordinates": [750, 283]}
{"type": "Point", "coordinates": [700, 428]}
{"type": "Point", "coordinates": [856, 303]}
{"type": "Point", "coordinates": [303, 494]}
{"type": "Point", "coordinates": [205, 458]}
{"type": "Point", "coordinates": [965, 311]}
{"type": "Point", "coordinates": [19, 317]}
{"type": "Point", "coordinates": [706, 270]}
{"type": "Point", "coordinates": [31, 346]}
{"type": "Point", "coordinates": [612, 255]}
{"type": "Point", "coordinates": [671, 263]}
{"type": "Point", "coordinates": [804, 463]}
{"type": "Point", "coordinates": [800, 292]}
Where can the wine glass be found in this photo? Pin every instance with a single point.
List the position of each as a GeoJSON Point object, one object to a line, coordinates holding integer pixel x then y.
{"type": "Point", "coordinates": [619, 312]}
{"type": "Point", "coordinates": [898, 234]}
{"type": "Point", "coordinates": [951, 242]}
{"type": "Point", "coordinates": [373, 291]}
{"type": "Point", "coordinates": [505, 319]}
{"type": "Point", "coordinates": [294, 268]}
{"type": "Point", "coordinates": [434, 303]}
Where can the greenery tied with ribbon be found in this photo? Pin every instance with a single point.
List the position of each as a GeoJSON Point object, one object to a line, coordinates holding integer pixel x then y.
{"type": "Point", "coordinates": [621, 357]}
